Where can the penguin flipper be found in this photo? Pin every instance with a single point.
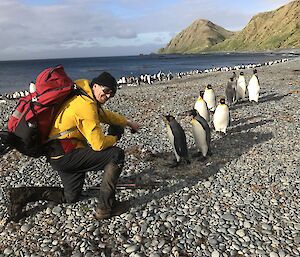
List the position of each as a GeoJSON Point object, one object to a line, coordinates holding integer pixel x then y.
{"type": "Point", "coordinates": [180, 141]}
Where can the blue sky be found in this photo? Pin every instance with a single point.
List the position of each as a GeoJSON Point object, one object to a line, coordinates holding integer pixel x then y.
{"type": "Point", "coordinates": [33, 29]}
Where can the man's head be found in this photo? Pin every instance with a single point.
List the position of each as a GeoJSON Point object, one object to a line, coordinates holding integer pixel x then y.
{"type": "Point", "coordinates": [104, 87]}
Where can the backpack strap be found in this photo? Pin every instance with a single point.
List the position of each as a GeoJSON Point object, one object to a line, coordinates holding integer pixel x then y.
{"type": "Point", "coordinates": [77, 91]}
{"type": "Point", "coordinates": [61, 134]}
{"type": "Point", "coordinates": [80, 91]}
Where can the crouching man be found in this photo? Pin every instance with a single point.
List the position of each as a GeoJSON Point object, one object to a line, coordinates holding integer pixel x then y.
{"type": "Point", "coordinates": [80, 145]}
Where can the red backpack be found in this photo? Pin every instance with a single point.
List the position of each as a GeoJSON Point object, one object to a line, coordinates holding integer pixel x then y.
{"type": "Point", "coordinates": [31, 122]}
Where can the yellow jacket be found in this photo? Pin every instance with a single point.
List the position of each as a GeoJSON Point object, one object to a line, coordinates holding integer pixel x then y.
{"type": "Point", "coordinates": [82, 117]}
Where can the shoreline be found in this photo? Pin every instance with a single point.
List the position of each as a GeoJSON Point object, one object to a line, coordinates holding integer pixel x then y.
{"type": "Point", "coordinates": [163, 77]}
{"type": "Point", "coordinates": [242, 201]}
{"type": "Point", "coordinates": [285, 50]}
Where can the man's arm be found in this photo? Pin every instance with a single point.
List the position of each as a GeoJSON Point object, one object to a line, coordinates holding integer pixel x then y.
{"type": "Point", "coordinates": [113, 118]}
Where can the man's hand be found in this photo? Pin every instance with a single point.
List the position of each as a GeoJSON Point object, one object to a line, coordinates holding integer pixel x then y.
{"type": "Point", "coordinates": [133, 125]}
{"type": "Point", "coordinates": [116, 130]}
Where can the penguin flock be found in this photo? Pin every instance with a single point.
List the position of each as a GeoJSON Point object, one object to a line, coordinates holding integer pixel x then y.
{"type": "Point", "coordinates": [161, 76]}
{"type": "Point", "coordinates": [205, 105]}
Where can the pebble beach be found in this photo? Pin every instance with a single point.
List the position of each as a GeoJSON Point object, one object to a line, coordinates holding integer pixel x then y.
{"type": "Point", "coordinates": [244, 200]}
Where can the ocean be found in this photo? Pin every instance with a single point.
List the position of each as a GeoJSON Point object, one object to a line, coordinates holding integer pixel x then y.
{"type": "Point", "coordinates": [16, 75]}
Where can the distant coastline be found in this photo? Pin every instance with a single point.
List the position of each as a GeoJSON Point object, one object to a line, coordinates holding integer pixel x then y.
{"type": "Point", "coordinates": [16, 75]}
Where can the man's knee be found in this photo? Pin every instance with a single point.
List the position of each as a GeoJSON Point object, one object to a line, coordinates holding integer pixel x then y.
{"type": "Point", "coordinates": [118, 156]}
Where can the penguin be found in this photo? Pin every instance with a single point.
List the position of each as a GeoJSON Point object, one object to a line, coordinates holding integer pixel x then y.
{"type": "Point", "coordinates": [177, 138]}
{"type": "Point", "coordinates": [253, 87]}
{"type": "Point", "coordinates": [210, 97]}
{"type": "Point", "coordinates": [221, 117]}
{"type": "Point", "coordinates": [201, 134]}
{"type": "Point", "coordinates": [230, 92]}
{"type": "Point", "coordinates": [233, 75]}
{"type": "Point", "coordinates": [32, 87]}
{"type": "Point", "coordinates": [241, 87]}
{"type": "Point", "coordinates": [201, 107]}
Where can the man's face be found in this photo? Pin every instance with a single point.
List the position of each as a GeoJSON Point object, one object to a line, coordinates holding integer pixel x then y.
{"type": "Point", "coordinates": [102, 93]}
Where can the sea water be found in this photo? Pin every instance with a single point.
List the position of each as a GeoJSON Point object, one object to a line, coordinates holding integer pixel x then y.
{"type": "Point", "coordinates": [16, 75]}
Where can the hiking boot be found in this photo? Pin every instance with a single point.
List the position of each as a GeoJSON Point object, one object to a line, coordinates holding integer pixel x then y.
{"type": "Point", "coordinates": [117, 209]}
{"type": "Point", "coordinates": [16, 203]}
{"type": "Point", "coordinates": [20, 196]}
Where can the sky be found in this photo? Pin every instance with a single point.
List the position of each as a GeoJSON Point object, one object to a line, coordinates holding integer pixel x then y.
{"type": "Point", "coordinates": [40, 29]}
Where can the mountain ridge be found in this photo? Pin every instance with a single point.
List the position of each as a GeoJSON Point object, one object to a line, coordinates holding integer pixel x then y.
{"type": "Point", "coordinates": [199, 35]}
{"type": "Point", "coordinates": [272, 30]}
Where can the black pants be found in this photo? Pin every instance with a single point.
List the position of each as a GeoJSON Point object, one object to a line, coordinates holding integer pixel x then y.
{"type": "Point", "coordinates": [73, 166]}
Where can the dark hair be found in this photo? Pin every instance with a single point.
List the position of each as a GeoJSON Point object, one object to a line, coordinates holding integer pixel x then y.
{"type": "Point", "coordinates": [107, 80]}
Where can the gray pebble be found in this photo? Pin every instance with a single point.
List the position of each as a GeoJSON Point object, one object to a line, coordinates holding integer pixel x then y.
{"type": "Point", "coordinates": [26, 227]}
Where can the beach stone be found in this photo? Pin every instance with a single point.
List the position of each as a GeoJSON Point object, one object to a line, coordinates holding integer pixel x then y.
{"type": "Point", "coordinates": [240, 232]}
{"type": "Point", "coordinates": [273, 254]}
{"type": "Point", "coordinates": [57, 210]}
{"type": "Point", "coordinates": [207, 184]}
{"type": "Point", "coordinates": [166, 249]}
{"type": "Point", "coordinates": [154, 255]}
{"type": "Point", "coordinates": [266, 226]}
{"type": "Point", "coordinates": [48, 210]}
{"type": "Point", "coordinates": [8, 251]}
{"type": "Point", "coordinates": [68, 211]}
{"type": "Point", "coordinates": [215, 253]}
{"type": "Point", "coordinates": [232, 231]}
{"type": "Point", "coordinates": [26, 227]}
{"type": "Point", "coordinates": [132, 248]}
{"type": "Point", "coordinates": [247, 224]}
{"type": "Point", "coordinates": [281, 253]}
{"type": "Point", "coordinates": [228, 217]}
{"type": "Point", "coordinates": [297, 226]}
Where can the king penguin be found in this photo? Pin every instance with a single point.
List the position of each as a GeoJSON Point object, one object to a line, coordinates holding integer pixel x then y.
{"type": "Point", "coordinates": [221, 117]}
{"type": "Point", "coordinates": [201, 134]}
{"type": "Point", "coordinates": [241, 87]}
{"type": "Point", "coordinates": [32, 87]}
{"type": "Point", "coordinates": [253, 87]}
{"type": "Point", "coordinates": [177, 138]}
{"type": "Point", "coordinates": [210, 97]}
{"type": "Point", "coordinates": [201, 107]}
{"type": "Point", "coordinates": [230, 92]}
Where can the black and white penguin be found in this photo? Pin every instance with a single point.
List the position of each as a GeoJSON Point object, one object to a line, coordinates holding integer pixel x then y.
{"type": "Point", "coordinates": [201, 107]}
{"type": "Point", "coordinates": [241, 87]}
{"type": "Point", "coordinates": [177, 138]}
{"type": "Point", "coordinates": [32, 87]}
{"type": "Point", "coordinates": [253, 87]}
{"type": "Point", "coordinates": [230, 92]}
{"type": "Point", "coordinates": [221, 117]}
{"type": "Point", "coordinates": [210, 97]}
{"type": "Point", "coordinates": [201, 134]}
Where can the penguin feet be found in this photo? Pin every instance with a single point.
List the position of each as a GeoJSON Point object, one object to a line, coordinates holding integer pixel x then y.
{"type": "Point", "coordinates": [202, 158]}
{"type": "Point", "coordinates": [198, 154]}
{"type": "Point", "coordinates": [173, 164]}
{"type": "Point", "coordinates": [187, 161]}
{"type": "Point", "coordinates": [176, 163]}
{"type": "Point", "coordinates": [220, 133]}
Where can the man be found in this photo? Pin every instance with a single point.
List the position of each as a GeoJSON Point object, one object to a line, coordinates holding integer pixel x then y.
{"type": "Point", "coordinates": [78, 145]}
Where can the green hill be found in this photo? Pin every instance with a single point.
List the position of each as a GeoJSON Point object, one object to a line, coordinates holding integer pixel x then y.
{"type": "Point", "coordinates": [267, 31]}
{"type": "Point", "coordinates": [198, 36]}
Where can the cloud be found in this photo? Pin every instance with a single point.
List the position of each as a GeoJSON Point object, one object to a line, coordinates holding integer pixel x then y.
{"type": "Point", "coordinates": [32, 26]}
